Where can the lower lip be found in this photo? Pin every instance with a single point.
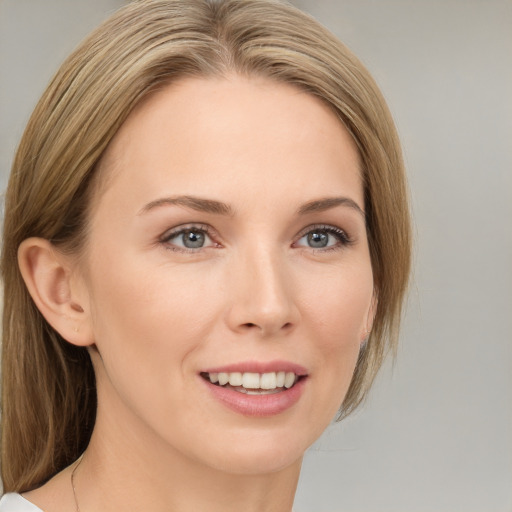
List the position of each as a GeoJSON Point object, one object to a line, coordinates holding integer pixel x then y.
{"type": "Point", "coordinates": [257, 405]}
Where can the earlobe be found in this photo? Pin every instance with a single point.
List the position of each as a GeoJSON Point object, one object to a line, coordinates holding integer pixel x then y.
{"type": "Point", "coordinates": [49, 279]}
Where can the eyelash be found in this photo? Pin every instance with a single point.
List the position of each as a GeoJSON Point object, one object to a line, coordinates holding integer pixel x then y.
{"type": "Point", "coordinates": [181, 230]}
{"type": "Point", "coordinates": [343, 238]}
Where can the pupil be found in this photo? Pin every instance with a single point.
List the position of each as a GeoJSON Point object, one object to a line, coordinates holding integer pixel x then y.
{"type": "Point", "coordinates": [318, 239]}
{"type": "Point", "coordinates": [193, 239]}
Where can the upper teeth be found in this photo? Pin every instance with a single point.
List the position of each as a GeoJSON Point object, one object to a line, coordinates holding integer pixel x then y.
{"type": "Point", "coordinates": [249, 380]}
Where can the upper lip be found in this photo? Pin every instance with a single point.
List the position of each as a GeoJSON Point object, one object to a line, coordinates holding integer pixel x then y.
{"type": "Point", "coordinates": [259, 367]}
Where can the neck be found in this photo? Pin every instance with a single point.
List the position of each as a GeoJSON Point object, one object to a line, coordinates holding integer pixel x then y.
{"type": "Point", "coordinates": [119, 471]}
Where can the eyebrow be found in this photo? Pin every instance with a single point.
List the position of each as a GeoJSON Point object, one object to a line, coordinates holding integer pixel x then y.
{"type": "Point", "coordinates": [195, 203]}
{"type": "Point", "coordinates": [217, 207]}
{"type": "Point", "coordinates": [321, 205]}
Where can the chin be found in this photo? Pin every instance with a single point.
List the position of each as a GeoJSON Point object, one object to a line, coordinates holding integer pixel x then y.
{"type": "Point", "coordinates": [254, 451]}
{"type": "Point", "coordinates": [267, 460]}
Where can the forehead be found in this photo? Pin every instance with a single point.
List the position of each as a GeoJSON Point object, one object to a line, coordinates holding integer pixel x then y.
{"type": "Point", "coordinates": [218, 136]}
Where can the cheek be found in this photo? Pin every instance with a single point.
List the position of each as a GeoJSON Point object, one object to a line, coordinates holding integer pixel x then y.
{"type": "Point", "coordinates": [148, 326]}
{"type": "Point", "coordinates": [153, 299]}
{"type": "Point", "coordinates": [144, 320]}
{"type": "Point", "coordinates": [337, 303]}
{"type": "Point", "coordinates": [336, 320]}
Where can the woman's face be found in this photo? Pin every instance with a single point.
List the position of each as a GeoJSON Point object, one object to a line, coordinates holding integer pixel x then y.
{"type": "Point", "coordinates": [228, 242]}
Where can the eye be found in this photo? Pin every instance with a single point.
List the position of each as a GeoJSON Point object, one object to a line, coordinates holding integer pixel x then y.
{"type": "Point", "coordinates": [188, 238]}
{"type": "Point", "coordinates": [323, 237]}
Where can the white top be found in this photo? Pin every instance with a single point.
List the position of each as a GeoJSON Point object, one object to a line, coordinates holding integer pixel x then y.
{"type": "Point", "coordinates": [12, 502]}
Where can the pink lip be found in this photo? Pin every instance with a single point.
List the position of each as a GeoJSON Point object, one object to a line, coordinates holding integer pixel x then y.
{"type": "Point", "coordinates": [257, 405]}
{"type": "Point", "coordinates": [259, 367]}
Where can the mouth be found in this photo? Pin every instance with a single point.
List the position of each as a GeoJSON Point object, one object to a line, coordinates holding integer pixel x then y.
{"type": "Point", "coordinates": [251, 383]}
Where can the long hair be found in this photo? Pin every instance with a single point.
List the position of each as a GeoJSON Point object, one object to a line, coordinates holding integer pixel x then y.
{"type": "Point", "coordinates": [48, 393]}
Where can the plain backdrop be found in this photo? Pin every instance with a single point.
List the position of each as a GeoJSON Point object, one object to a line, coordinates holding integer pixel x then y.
{"type": "Point", "coordinates": [436, 432]}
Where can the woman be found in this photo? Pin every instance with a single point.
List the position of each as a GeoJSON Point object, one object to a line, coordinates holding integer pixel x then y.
{"type": "Point", "coordinates": [206, 248]}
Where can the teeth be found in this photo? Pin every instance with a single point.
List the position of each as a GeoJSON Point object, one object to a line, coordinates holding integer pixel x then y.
{"type": "Point", "coordinates": [289, 380]}
{"type": "Point", "coordinates": [260, 391]}
{"type": "Point", "coordinates": [268, 381]}
{"type": "Point", "coordinates": [251, 380]}
{"type": "Point", "coordinates": [254, 381]}
{"type": "Point", "coordinates": [235, 379]}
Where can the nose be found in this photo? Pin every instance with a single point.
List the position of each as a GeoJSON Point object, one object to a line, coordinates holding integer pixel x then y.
{"type": "Point", "coordinates": [262, 295]}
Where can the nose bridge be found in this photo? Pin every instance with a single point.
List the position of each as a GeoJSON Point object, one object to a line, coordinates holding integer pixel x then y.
{"type": "Point", "coordinates": [263, 295]}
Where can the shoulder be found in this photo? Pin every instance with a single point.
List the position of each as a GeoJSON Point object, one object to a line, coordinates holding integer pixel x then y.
{"type": "Point", "coordinates": [12, 502]}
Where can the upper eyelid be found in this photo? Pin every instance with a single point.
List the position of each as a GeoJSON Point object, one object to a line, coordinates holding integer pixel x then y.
{"type": "Point", "coordinates": [171, 232]}
{"type": "Point", "coordinates": [325, 227]}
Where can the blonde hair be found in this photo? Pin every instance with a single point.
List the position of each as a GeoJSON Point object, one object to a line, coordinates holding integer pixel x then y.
{"type": "Point", "coordinates": [48, 394]}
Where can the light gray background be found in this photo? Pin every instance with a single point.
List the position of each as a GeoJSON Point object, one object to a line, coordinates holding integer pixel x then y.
{"type": "Point", "coordinates": [436, 433]}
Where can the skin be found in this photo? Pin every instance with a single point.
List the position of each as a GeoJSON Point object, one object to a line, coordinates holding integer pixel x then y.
{"type": "Point", "coordinates": [154, 314]}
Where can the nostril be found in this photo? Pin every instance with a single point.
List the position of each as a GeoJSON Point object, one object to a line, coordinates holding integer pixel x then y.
{"type": "Point", "coordinates": [251, 325]}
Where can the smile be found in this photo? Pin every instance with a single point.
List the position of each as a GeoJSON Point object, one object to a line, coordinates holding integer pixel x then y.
{"type": "Point", "coordinates": [253, 383]}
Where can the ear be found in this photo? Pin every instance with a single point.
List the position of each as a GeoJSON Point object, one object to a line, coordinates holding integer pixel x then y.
{"type": "Point", "coordinates": [56, 290]}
